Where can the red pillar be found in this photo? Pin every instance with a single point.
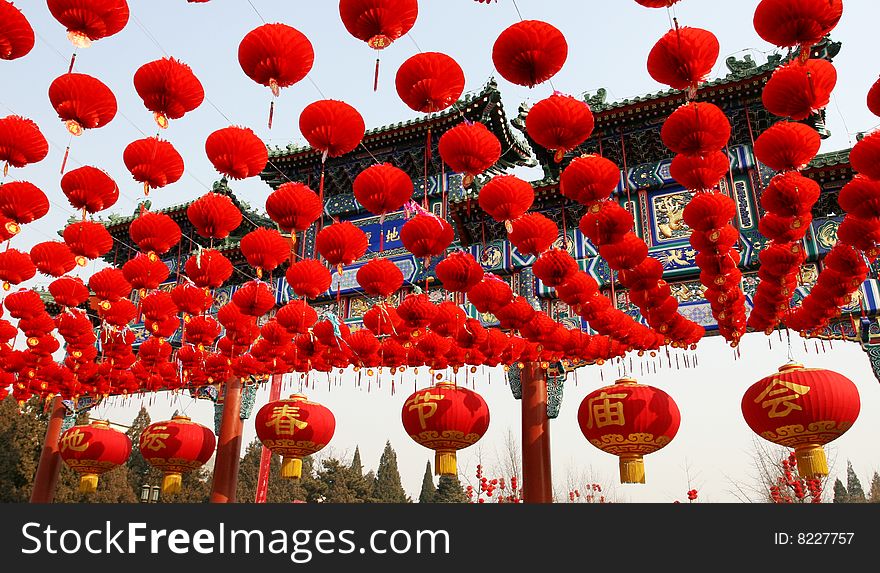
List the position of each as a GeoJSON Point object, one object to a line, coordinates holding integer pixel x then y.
{"type": "Point", "coordinates": [46, 479]}
{"type": "Point", "coordinates": [266, 454]}
{"type": "Point", "coordinates": [537, 480]}
{"type": "Point", "coordinates": [228, 445]}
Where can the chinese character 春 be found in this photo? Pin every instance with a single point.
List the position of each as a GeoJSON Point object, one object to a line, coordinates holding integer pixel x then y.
{"type": "Point", "coordinates": [779, 396]}
{"type": "Point", "coordinates": [605, 412]}
{"type": "Point", "coordinates": [285, 419]}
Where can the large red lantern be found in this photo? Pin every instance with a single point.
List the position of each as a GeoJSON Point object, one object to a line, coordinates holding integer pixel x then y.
{"type": "Point", "coordinates": [90, 189]}
{"type": "Point", "coordinates": [797, 90]}
{"type": "Point", "coordinates": [237, 152]}
{"type": "Point", "coordinates": [426, 235]}
{"type": "Point", "coordinates": [23, 202]}
{"type": "Point", "coordinates": [629, 420]}
{"type": "Point", "coordinates": [332, 127]}
{"type": "Point", "coordinates": [15, 267]}
{"type": "Point", "coordinates": [506, 197]}
{"type": "Point", "coordinates": [529, 52]}
{"type": "Point", "coordinates": [429, 82]}
{"type": "Point", "coordinates": [379, 277]}
{"type": "Point", "coordinates": [469, 148]}
{"type": "Point", "coordinates": [21, 142]}
{"type": "Point", "coordinates": [804, 409]}
{"type": "Point", "coordinates": [87, 240]}
{"type": "Point", "coordinates": [560, 123]}
{"type": "Point", "coordinates": [865, 156]}
{"type": "Point", "coordinates": [154, 232]}
{"type": "Point", "coordinates": [382, 188]}
{"type": "Point", "coordinates": [90, 20]}
{"type": "Point", "coordinates": [153, 162]}
{"type": "Point", "coordinates": [787, 146]}
{"type": "Point", "coordinates": [145, 272]}
{"type": "Point", "coordinates": [82, 102]}
{"type": "Point", "coordinates": [873, 99]}
{"type": "Point", "coordinates": [696, 129]}
{"type": "Point", "coordinates": [341, 243]}
{"type": "Point", "coordinates": [378, 22]}
{"type": "Point", "coordinates": [683, 58]}
{"type": "Point", "coordinates": [589, 178]}
{"type": "Point", "coordinates": [700, 172]}
{"type": "Point", "coordinates": [459, 272]}
{"type": "Point", "coordinates": [208, 269]}
{"type": "Point", "coordinates": [52, 258]}
{"type": "Point", "coordinates": [16, 34]}
{"type": "Point", "coordinates": [176, 447]}
{"type": "Point", "coordinates": [293, 206]}
{"type": "Point", "coordinates": [294, 428]}
{"type": "Point", "coordinates": [214, 216]}
{"type": "Point", "coordinates": [93, 450]}
{"type": "Point", "coordinates": [169, 89]}
{"type": "Point", "coordinates": [445, 418]}
{"type": "Point", "coordinates": [790, 23]}
{"type": "Point", "coordinates": [533, 233]}
{"type": "Point", "coordinates": [264, 249]}
{"type": "Point", "coordinates": [308, 278]}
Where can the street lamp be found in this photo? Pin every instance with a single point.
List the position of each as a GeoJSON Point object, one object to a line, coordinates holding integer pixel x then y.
{"type": "Point", "coordinates": [150, 494]}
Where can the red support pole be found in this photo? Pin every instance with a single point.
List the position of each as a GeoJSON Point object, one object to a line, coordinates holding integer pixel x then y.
{"type": "Point", "coordinates": [537, 480]}
{"type": "Point", "coordinates": [266, 454]}
{"type": "Point", "coordinates": [49, 469]}
{"type": "Point", "coordinates": [228, 445]}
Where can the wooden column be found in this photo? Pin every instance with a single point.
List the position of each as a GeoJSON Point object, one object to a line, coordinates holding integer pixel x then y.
{"type": "Point", "coordinates": [49, 469]}
{"type": "Point", "coordinates": [228, 445]}
{"type": "Point", "coordinates": [537, 480]}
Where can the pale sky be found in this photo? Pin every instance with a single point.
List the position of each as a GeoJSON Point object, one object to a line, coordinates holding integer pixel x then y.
{"type": "Point", "coordinates": [608, 47]}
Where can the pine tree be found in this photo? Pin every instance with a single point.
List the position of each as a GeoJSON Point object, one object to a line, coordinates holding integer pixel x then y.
{"type": "Point", "coordinates": [428, 490]}
{"type": "Point", "coordinates": [874, 494]}
{"type": "Point", "coordinates": [356, 465]}
{"type": "Point", "coordinates": [140, 472]}
{"type": "Point", "coordinates": [21, 433]}
{"type": "Point", "coordinates": [341, 484]}
{"type": "Point", "coordinates": [854, 490]}
{"type": "Point", "coordinates": [388, 488]}
{"type": "Point", "coordinates": [840, 495]}
{"type": "Point", "coordinates": [449, 490]}
{"type": "Point", "coordinates": [279, 490]}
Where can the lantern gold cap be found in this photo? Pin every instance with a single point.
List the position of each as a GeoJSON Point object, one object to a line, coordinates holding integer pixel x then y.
{"type": "Point", "coordinates": [298, 397]}
{"type": "Point", "coordinates": [791, 366]}
{"type": "Point", "coordinates": [181, 417]}
{"type": "Point", "coordinates": [626, 380]}
{"type": "Point", "coordinates": [100, 423]}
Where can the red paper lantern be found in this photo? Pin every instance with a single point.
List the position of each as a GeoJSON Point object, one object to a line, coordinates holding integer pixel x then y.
{"type": "Point", "coordinates": [627, 253]}
{"type": "Point", "coordinates": [22, 202]}
{"type": "Point", "coordinates": [169, 89]}
{"type": "Point", "coordinates": [294, 428]}
{"type": "Point", "coordinates": [69, 291]}
{"type": "Point", "coordinates": [865, 156]}
{"type": "Point", "coordinates": [506, 197]}
{"type": "Point", "coordinates": [255, 298]}
{"type": "Point", "coordinates": [145, 272]}
{"type": "Point", "coordinates": [237, 152]}
{"type": "Point", "coordinates": [93, 450]}
{"type": "Point", "coordinates": [308, 278]}
{"type": "Point", "coordinates": [874, 98]}
{"type": "Point", "coordinates": [416, 311]}
{"type": "Point", "coordinates": [90, 20]}
{"type": "Point", "coordinates": [555, 267]}
{"type": "Point", "coordinates": [332, 127]}
{"type": "Point", "coordinates": [860, 197]}
{"type": "Point", "coordinates": [804, 409]}
{"type": "Point", "coordinates": [89, 189]}
{"type": "Point", "coordinates": [382, 188]}
{"type": "Point", "coordinates": [700, 172]}
{"type": "Point", "coordinates": [21, 142]}
{"type": "Point", "coordinates": [469, 148]}
{"type": "Point", "coordinates": [629, 420]}
{"type": "Point", "coordinates": [265, 249]}
{"type": "Point", "coordinates": [789, 23]}
{"type": "Point", "coordinates": [176, 447]}
{"type": "Point", "coordinates": [787, 146]}
{"type": "Point", "coordinates": [560, 123]}
{"type": "Point", "coordinates": [490, 294]}
{"type": "Point", "coordinates": [158, 306]}
{"type": "Point", "coordinates": [208, 269]}
{"type": "Point", "coordinates": [153, 162]}
{"type": "Point", "coordinates": [709, 211]}
{"type": "Point", "coordinates": [445, 418]}
{"type": "Point", "coordinates": [276, 56]}
{"type": "Point", "coordinates": [529, 52]}
{"type": "Point", "coordinates": [656, 3]}
{"type": "Point", "coordinates": [696, 128]}
{"type": "Point", "coordinates": [87, 240]}
{"type": "Point", "coordinates": [797, 90]}
{"type": "Point", "coordinates": [154, 232]}
{"type": "Point", "coordinates": [293, 206]}
{"type": "Point", "coordinates": [15, 267]}
{"type": "Point", "coordinates": [379, 277]}
{"type": "Point", "coordinates": [426, 236]}
{"type": "Point", "coordinates": [378, 22]}
{"type": "Point", "coordinates": [533, 233]}
{"type": "Point", "coordinates": [16, 34]}
{"type": "Point", "coordinates": [82, 102]}
{"type": "Point", "coordinates": [53, 258]}
{"type": "Point", "coordinates": [191, 299]}
{"type": "Point", "coordinates": [429, 82]}
{"type": "Point", "coordinates": [459, 272]}
{"type": "Point", "coordinates": [214, 216]}
{"type": "Point", "coordinates": [790, 194]}
{"type": "Point", "coordinates": [683, 58]}
{"type": "Point", "coordinates": [589, 178]}
{"type": "Point", "coordinates": [341, 243]}
{"type": "Point", "coordinates": [296, 316]}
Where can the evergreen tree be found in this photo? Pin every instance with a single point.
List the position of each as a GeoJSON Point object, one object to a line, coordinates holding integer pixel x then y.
{"type": "Point", "coordinates": [21, 433]}
{"type": "Point", "coordinates": [855, 493]}
{"type": "Point", "coordinates": [356, 465]}
{"type": "Point", "coordinates": [387, 487]}
{"type": "Point", "coordinates": [840, 495]}
{"type": "Point", "coordinates": [428, 490]}
{"type": "Point", "coordinates": [139, 472]}
{"type": "Point", "coordinates": [339, 483]}
{"type": "Point", "coordinates": [874, 494]}
{"type": "Point", "coordinates": [449, 490]}
{"type": "Point", "coordinates": [279, 490]}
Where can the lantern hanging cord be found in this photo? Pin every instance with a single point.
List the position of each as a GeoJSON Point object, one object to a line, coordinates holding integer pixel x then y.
{"type": "Point", "coordinates": [518, 13]}
{"type": "Point", "coordinates": [257, 12]}
{"type": "Point", "coordinates": [788, 341]}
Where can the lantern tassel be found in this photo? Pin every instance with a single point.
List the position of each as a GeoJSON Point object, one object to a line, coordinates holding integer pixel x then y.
{"type": "Point", "coordinates": [376, 77]}
{"type": "Point", "coordinates": [445, 463]}
{"type": "Point", "coordinates": [171, 483]}
{"type": "Point", "coordinates": [64, 161]}
{"type": "Point", "coordinates": [291, 468]}
{"type": "Point", "coordinates": [88, 483]}
{"type": "Point", "coordinates": [632, 469]}
{"type": "Point", "coordinates": [811, 461]}
{"type": "Point", "coordinates": [271, 112]}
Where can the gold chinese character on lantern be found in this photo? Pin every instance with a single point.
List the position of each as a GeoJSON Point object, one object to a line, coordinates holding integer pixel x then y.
{"type": "Point", "coordinates": [779, 397]}
{"type": "Point", "coordinates": [604, 412]}
{"type": "Point", "coordinates": [426, 404]}
{"type": "Point", "coordinates": [74, 441]}
{"type": "Point", "coordinates": [285, 419]}
{"type": "Point", "coordinates": [153, 438]}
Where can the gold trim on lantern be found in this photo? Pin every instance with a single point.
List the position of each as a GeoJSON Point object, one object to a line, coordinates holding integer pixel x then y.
{"type": "Point", "coordinates": [445, 463]}
{"type": "Point", "coordinates": [291, 468]}
{"type": "Point", "coordinates": [172, 483]}
{"type": "Point", "coordinates": [632, 469]}
{"type": "Point", "coordinates": [88, 483]}
{"type": "Point", "coordinates": [811, 461]}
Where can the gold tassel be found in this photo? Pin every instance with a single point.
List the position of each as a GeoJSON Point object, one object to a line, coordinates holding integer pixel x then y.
{"type": "Point", "coordinates": [445, 463]}
{"type": "Point", "coordinates": [632, 469]}
{"type": "Point", "coordinates": [88, 483]}
{"type": "Point", "coordinates": [171, 483]}
{"type": "Point", "coordinates": [291, 468]}
{"type": "Point", "coordinates": [811, 461]}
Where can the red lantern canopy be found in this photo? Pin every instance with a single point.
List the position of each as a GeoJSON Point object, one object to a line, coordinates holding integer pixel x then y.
{"type": "Point", "coordinates": [865, 156]}
{"type": "Point", "coordinates": [382, 188]}
{"type": "Point", "coordinates": [21, 142]}
{"type": "Point", "coordinates": [264, 249]}
{"type": "Point", "coordinates": [154, 232]}
{"type": "Point", "coordinates": [797, 90]}
{"type": "Point", "coordinates": [506, 197]}
{"type": "Point", "coordinates": [426, 235]}
{"type": "Point", "coordinates": [89, 189]}
{"type": "Point", "coordinates": [90, 20]}
{"type": "Point", "coordinates": [533, 233]}
{"type": "Point", "coordinates": [378, 22]}
{"type": "Point", "coordinates": [445, 418]}
{"type": "Point", "coordinates": [93, 450]}
{"type": "Point", "coordinates": [153, 162]}
{"type": "Point", "coordinates": [293, 206]}
{"type": "Point", "coordinates": [22, 202]}
{"type": "Point", "coordinates": [379, 277]}
{"type": "Point", "coordinates": [683, 58]}
{"type": "Point", "coordinates": [16, 34]}
{"type": "Point", "coordinates": [52, 258]}
{"type": "Point", "coordinates": [429, 82]}
{"type": "Point", "coordinates": [696, 128]}
{"type": "Point", "coordinates": [208, 269]}
{"type": "Point", "coordinates": [341, 243]}
{"type": "Point", "coordinates": [294, 428]}
{"type": "Point", "coordinates": [787, 146]}
{"type": "Point", "coordinates": [214, 216]}
{"type": "Point", "coordinates": [237, 152]}
{"type": "Point", "coordinates": [529, 52]}
{"type": "Point", "coordinates": [332, 127]}
{"type": "Point", "coordinates": [469, 148]}
{"type": "Point", "coordinates": [459, 272]}
{"type": "Point", "coordinates": [789, 23]}
{"type": "Point", "coordinates": [804, 409]}
{"type": "Point", "coordinates": [176, 447]}
{"type": "Point", "coordinates": [87, 240]}
{"type": "Point", "coordinates": [560, 123]}
{"type": "Point", "coordinates": [308, 278]}
{"type": "Point", "coordinates": [169, 89]}
{"type": "Point", "coordinates": [589, 178]}
{"type": "Point", "coordinates": [82, 102]}
{"type": "Point", "coordinates": [15, 267]}
{"type": "Point", "coordinates": [629, 420]}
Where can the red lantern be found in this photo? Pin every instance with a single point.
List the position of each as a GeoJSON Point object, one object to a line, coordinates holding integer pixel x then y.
{"type": "Point", "coordinates": [169, 89]}
{"type": "Point", "coordinates": [255, 298]}
{"type": "Point", "coordinates": [656, 3]}
{"type": "Point", "coordinates": [683, 58]}
{"type": "Point", "coordinates": [378, 22]}
{"type": "Point", "coordinates": [529, 52]}
{"type": "Point", "coordinates": [426, 236]}
{"type": "Point", "coordinates": [293, 206]}
{"type": "Point", "coordinates": [790, 194]}
{"type": "Point", "coordinates": [22, 202]}
{"type": "Point", "coordinates": [532, 234]}
{"type": "Point", "coordinates": [191, 299]}
{"type": "Point", "coordinates": [490, 294]}
{"type": "Point", "coordinates": [87, 240]}
{"type": "Point", "coordinates": [264, 249]}
{"type": "Point", "coordinates": [332, 127]}
{"type": "Point", "coordinates": [804, 409]}
{"type": "Point", "coordinates": [627, 253]}
{"type": "Point", "coordinates": [506, 197]}
{"type": "Point", "coordinates": [214, 216]}
{"type": "Point", "coordinates": [158, 306]}
{"type": "Point", "coordinates": [589, 178]}
{"type": "Point", "coordinates": [696, 129]}
{"type": "Point", "coordinates": [237, 152]}
{"type": "Point", "coordinates": [429, 82]}
{"type": "Point", "coordinates": [700, 172]}
{"type": "Point", "coordinates": [865, 156]}
{"type": "Point", "coordinates": [208, 269]}
{"type": "Point", "coordinates": [154, 232]}
{"type": "Point", "coordinates": [145, 272]}
{"type": "Point", "coordinates": [69, 291]}
{"type": "Point", "coordinates": [176, 447]}
{"type": "Point", "coordinates": [787, 146]}
{"type": "Point", "coordinates": [90, 20]}
{"type": "Point", "coordinates": [382, 188]}
{"type": "Point", "coordinates": [860, 198]}
{"type": "Point", "coordinates": [93, 450]}
{"type": "Point", "coordinates": [15, 267]}
{"type": "Point", "coordinates": [89, 189]}
{"type": "Point", "coordinates": [52, 258]}
{"type": "Point", "coordinates": [797, 90]}
{"type": "Point", "coordinates": [469, 148]}
{"type": "Point", "coordinates": [416, 311]}
{"type": "Point", "coordinates": [605, 223]}
{"type": "Point", "coordinates": [789, 23]}
{"type": "Point", "coordinates": [560, 123]}
{"type": "Point", "coordinates": [308, 278]}
{"type": "Point", "coordinates": [16, 34]}
{"type": "Point", "coordinates": [555, 267]}
{"type": "Point", "coordinates": [82, 102]}
{"type": "Point", "coordinates": [445, 418]}
{"type": "Point", "coordinates": [629, 420]}
{"type": "Point", "coordinates": [296, 316]}
{"type": "Point", "coordinates": [294, 428]}
{"type": "Point", "coordinates": [276, 56]}
{"type": "Point", "coordinates": [153, 162]}
{"type": "Point", "coordinates": [21, 142]}
{"type": "Point", "coordinates": [874, 98]}
{"type": "Point", "coordinates": [379, 277]}
{"type": "Point", "coordinates": [459, 272]}
{"type": "Point", "coordinates": [341, 243]}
